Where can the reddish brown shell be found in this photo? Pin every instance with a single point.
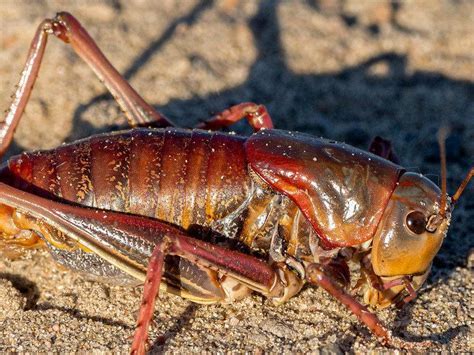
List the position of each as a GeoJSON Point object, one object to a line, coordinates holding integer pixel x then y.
{"type": "Point", "coordinates": [179, 176]}
{"type": "Point", "coordinates": [342, 190]}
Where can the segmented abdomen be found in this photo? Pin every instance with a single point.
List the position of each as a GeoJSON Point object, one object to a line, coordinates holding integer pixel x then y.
{"type": "Point", "coordinates": [179, 176]}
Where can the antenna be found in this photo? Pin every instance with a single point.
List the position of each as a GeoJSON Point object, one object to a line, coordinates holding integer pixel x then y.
{"type": "Point", "coordinates": [442, 134]}
{"type": "Point", "coordinates": [463, 185]}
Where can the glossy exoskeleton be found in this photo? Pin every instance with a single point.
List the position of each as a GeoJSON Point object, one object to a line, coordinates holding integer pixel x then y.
{"type": "Point", "coordinates": [212, 216]}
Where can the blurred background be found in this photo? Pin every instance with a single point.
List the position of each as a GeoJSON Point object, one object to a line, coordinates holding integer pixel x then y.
{"type": "Point", "coordinates": [343, 69]}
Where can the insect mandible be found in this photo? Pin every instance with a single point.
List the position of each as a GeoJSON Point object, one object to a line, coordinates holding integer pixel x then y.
{"type": "Point", "coordinates": [231, 215]}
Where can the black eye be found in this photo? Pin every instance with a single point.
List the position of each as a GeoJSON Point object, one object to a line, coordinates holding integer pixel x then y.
{"type": "Point", "coordinates": [416, 222]}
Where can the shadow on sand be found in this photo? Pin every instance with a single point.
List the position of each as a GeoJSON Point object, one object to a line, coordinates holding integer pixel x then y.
{"type": "Point", "coordinates": [316, 103]}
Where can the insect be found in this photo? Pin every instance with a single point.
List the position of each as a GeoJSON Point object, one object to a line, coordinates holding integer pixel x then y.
{"type": "Point", "coordinates": [213, 217]}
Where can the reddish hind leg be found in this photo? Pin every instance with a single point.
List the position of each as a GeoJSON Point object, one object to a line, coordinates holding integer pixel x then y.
{"type": "Point", "coordinates": [68, 29]}
{"type": "Point", "coordinates": [256, 115]}
{"type": "Point", "coordinates": [114, 235]}
{"type": "Point", "coordinates": [151, 289]}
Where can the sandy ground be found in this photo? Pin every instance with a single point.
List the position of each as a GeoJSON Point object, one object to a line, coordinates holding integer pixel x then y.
{"type": "Point", "coordinates": [346, 70]}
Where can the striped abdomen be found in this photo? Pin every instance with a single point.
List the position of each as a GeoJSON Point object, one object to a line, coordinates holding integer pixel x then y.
{"type": "Point", "coordinates": [179, 176]}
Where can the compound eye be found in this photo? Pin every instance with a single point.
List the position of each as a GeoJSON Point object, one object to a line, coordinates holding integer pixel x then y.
{"type": "Point", "coordinates": [416, 222]}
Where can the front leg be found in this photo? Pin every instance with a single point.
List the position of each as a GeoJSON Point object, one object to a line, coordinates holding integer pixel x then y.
{"type": "Point", "coordinates": [316, 275]}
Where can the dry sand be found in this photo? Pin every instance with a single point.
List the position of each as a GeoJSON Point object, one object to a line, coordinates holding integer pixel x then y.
{"type": "Point", "coordinates": [341, 69]}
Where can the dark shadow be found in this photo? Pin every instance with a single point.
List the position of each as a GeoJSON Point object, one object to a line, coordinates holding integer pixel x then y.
{"type": "Point", "coordinates": [31, 292]}
{"type": "Point", "coordinates": [180, 322]}
{"type": "Point", "coordinates": [79, 315]}
{"type": "Point", "coordinates": [404, 316]}
{"type": "Point", "coordinates": [26, 287]}
{"type": "Point", "coordinates": [13, 149]}
{"type": "Point", "coordinates": [395, 7]}
{"type": "Point", "coordinates": [335, 8]}
{"type": "Point", "coordinates": [83, 127]}
{"type": "Point", "coordinates": [166, 36]}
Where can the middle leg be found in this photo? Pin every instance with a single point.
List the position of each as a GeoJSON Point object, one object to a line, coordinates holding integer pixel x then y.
{"type": "Point", "coordinates": [256, 115]}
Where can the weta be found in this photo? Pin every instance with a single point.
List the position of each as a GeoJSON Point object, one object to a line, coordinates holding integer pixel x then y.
{"type": "Point", "coordinates": [213, 217]}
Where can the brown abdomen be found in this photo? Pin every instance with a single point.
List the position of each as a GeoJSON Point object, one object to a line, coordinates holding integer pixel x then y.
{"type": "Point", "coordinates": [180, 176]}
